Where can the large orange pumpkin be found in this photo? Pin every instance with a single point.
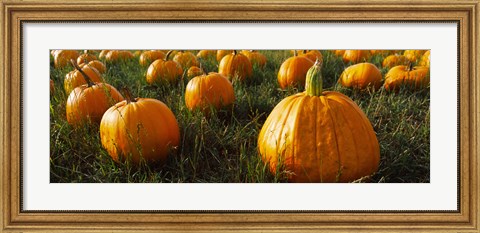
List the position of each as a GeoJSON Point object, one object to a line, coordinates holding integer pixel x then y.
{"type": "Point", "coordinates": [292, 72]}
{"type": "Point", "coordinates": [319, 136]}
{"type": "Point", "coordinates": [139, 129]}
{"type": "Point", "coordinates": [88, 102]}
{"type": "Point", "coordinates": [147, 57]}
{"type": "Point", "coordinates": [236, 66]}
{"type": "Point", "coordinates": [186, 59]}
{"type": "Point", "coordinates": [62, 57]}
{"type": "Point", "coordinates": [75, 78]}
{"type": "Point", "coordinates": [361, 76]}
{"type": "Point", "coordinates": [356, 56]}
{"type": "Point", "coordinates": [394, 60]}
{"type": "Point", "coordinates": [161, 71]}
{"type": "Point", "coordinates": [412, 77]}
{"type": "Point", "coordinates": [205, 91]}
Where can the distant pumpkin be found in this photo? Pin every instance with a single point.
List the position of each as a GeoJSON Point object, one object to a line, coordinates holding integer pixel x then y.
{"type": "Point", "coordinates": [361, 76]}
{"type": "Point", "coordinates": [194, 71]}
{"type": "Point", "coordinates": [118, 55]}
{"type": "Point", "coordinates": [207, 54]}
{"type": "Point", "coordinates": [86, 57]}
{"type": "Point", "coordinates": [74, 78]}
{"type": "Point", "coordinates": [186, 59]}
{"type": "Point", "coordinates": [256, 58]}
{"type": "Point", "coordinates": [223, 53]}
{"type": "Point", "coordinates": [411, 77]}
{"type": "Point", "coordinates": [161, 71]}
{"type": "Point", "coordinates": [356, 56]}
{"type": "Point", "coordinates": [394, 60]}
{"type": "Point", "coordinates": [236, 66]}
{"type": "Point", "coordinates": [62, 58]}
{"type": "Point", "coordinates": [293, 71]}
{"type": "Point", "coordinates": [147, 57]}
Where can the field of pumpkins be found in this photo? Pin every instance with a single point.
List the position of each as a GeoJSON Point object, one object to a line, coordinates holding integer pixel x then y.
{"type": "Point", "coordinates": [239, 116]}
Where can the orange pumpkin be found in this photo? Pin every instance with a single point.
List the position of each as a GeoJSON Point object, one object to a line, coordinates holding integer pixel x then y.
{"type": "Point", "coordinates": [356, 56]}
{"type": "Point", "coordinates": [256, 58]}
{"type": "Point", "coordinates": [312, 55]}
{"type": "Point", "coordinates": [236, 66]}
{"type": "Point", "coordinates": [205, 91]}
{"type": "Point", "coordinates": [62, 57]}
{"type": "Point", "coordinates": [147, 57]}
{"type": "Point", "coordinates": [319, 136]}
{"type": "Point", "coordinates": [194, 71]}
{"type": "Point", "coordinates": [207, 54]}
{"type": "Point", "coordinates": [118, 55]}
{"type": "Point", "coordinates": [186, 59]}
{"type": "Point", "coordinates": [103, 54]}
{"type": "Point", "coordinates": [74, 78]}
{"type": "Point", "coordinates": [88, 102]}
{"type": "Point", "coordinates": [86, 58]}
{"type": "Point", "coordinates": [140, 129]}
{"type": "Point", "coordinates": [339, 52]}
{"type": "Point", "coordinates": [293, 71]}
{"type": "Point", "coordinates": [98, 65]}
{"type": "Point", "coordinates": [161, 71]}
{"type": "Point", "coordinates": [425, 59]}
{"type": "Point", "coordinates": [412, 77]}
{"type": "Point", "coordinates": [223, 53]}
{"type": "Point", "coordinates": [394, 60]}
{"type": "Point", "coordinates": [361, 76]}
{"type": "Point", "coordinates": [413, 55]}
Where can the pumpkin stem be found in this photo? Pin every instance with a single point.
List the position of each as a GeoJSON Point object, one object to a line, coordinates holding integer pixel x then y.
{"type": "Point", "coordinates": [234, 52]}
{"type": "Point", "coordinates": [304, 51]}
{"type": "Point", "coordinates": [85, 76]}
{"type": "Point", "coordinates": [410, 67]}
{"type": "Point", "coordinates": [314, 80]}
{"type": "Point", "coordinates": [128, 95]}
{"type": "Point", "coordinates": [295, 53]}
{"type": "Point", "coordinates": [168, 55]}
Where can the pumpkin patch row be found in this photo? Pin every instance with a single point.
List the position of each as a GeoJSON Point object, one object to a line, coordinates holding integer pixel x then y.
{"type": "Point", "coordinates": [318, 135]}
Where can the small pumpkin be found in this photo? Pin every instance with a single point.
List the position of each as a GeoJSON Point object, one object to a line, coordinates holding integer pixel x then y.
{"type": "Point", "coordinates": [74, 78]}
{"type": "Point", "coordinates": [339, 52]}
{"type": "Point", "coordinates": [140, 129]}
{"type": "Point", "coordinates": [361, 76]}
{"type": "Point", "coordinates": [98, 65]}
{"type": "Point", "coordinates": [62, 58]}
{"type": "Point", "coordinates": [319, 136]}
{"type": "Point", "coordinates": [207, 54]}
{"type": "Point", "coordinates": [223, 53]}
{"type": "Point", "coordinates": [194, 71]}
{"type": "Point", "coordinates": [356, 56]}
{"type": "Point", "coordinates": [425, 59]}
{"type": "Point", "coordinates": [394, 60]}
{"type": "Point", "coordinates": [103, 54]}
{"type": "Point", "coordinates": [416, 78]}
{"type": "Point", "coordinates": [163, 71]}
{"type": "Point", "coordinates": [293, 71]}
{"type": "Point", "coordinates": [313, 55]}
{"type": "Point", "coordinates": [205, 91]}
{"type": "Point", "coordinates": [236, 66]}
{"type": "Point", "coordinates": [86, 57]}
{"type": "Point", "coordinates": [118, 55]}
{"type": "Point", "coordinates": [413, 55]}
{"type": "Point", "coordinates": [88, 102]}
{"type": "Point", "coordinates": [147, 57]}
{"type": "Point", "coordinates": [186, 59]}
{"type": "Point", "coordinates": [257, 59]}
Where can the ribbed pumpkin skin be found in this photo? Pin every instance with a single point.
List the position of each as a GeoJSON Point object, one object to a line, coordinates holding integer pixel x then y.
{"type": "Point", "coordinates": [146, 128]}
{"type": "Point", "coordinates": [62, 57]}
{"type": "Point", "coordinates": [417, 78]}
{"type": "Point", "coordinates": [90, 103]}
{"type": "Point", "coordinates": [98, 65]}
{"type": "Point", "coordinates": [193, 72]}
{"type": "Point", "coordinates": [320, 139]}
{"type": "Point", "coordinates": [361, 76]}
{"type": "Point", "coordinates": [147, 57]}
{"type": "Point", "coordinates": [356, 56]}
{"type": "Point", "coordinates": [186, 59]}
{"type": "Point", "coordinates": [236, 66]}
{"type": "Point", "coordinates": [85, 58]}
{"type": "Point", "coordinates": [205, 91]}
{"type": "Point", "coordinates": [394, 60]}
{"type": "Point", "coordinates": [163, 71]}
{"type": "Point", "coordinates": [293, 71]}
{"type": "Point", "coordinates": [74, 78]}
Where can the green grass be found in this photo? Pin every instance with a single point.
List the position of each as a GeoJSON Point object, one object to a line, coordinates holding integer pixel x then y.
{"type": "Point", "coordinates": [223, 147]}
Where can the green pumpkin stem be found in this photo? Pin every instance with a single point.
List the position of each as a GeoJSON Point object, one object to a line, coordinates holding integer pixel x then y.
{"type": "Point", "coordinates": [85, 76]}
{"type": "Point", "coordinates": [314, 80]}
{"type": "Point", "coordinates": [128, 95]}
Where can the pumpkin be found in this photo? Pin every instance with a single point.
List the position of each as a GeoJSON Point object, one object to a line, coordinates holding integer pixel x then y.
{"type": "Point", "coordinates": [147, 57]}
{"type": "Point", "coordinates": [85, 58]}
{"type": "Point", "coordinates": [394, 60]}
{"type": "Point", "coordinates": [88, 102]}
{"type": "Point", "coordinates": [74, 78]}
{"type": "Point", "coordinates": [186, 59]}
{"type": "Point", "coordinates": [339, 52]}
{"type": "Point", "coordinates": [207, 54]}
{"type": "Point", "coordinates": [361, 76]}
{"type": "Point", "coordinates": [312, 55]}
{"type": "Point", "coordinates": [413, 55]}
{"type": "Point", "coordinates": [118, 55]}
{"type": "Point", "coordinates": [319, 136]}
{"type": "Point", "coordinates": [236, 66]}
{"type": "Point", "coordinates": [140, 129]}
{"type": "Point", "coordinates": [356, 56]}
{"type": "Point", "coordinates": [194, 71]}
{"type": "Point", "coordinates": [137, 53]}
{"type": "Point", "coordinates": [416, 78]}
{"type": "Point", "coordinates": [223, 53]}
{"type": "Point", "coordinates": [62, 57]}
{"type": "Point", "coordinates": [205, 91]}
{"type": "Point", "coordinates": [292, 72]}
{"type": "Point", "coordinates": [103, 54]}
{"type": "Point", "coordinates": [98, 65]}
{"type": "Point", "coordinates": [425, 59]}
{"type": "Point", "coordinates": [256, 58]}
{"type": "Point", "coordinates": [163, 71]}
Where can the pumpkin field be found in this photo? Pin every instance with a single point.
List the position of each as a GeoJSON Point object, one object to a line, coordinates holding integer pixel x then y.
{"type": "Point", "coordinates": [239, 116]}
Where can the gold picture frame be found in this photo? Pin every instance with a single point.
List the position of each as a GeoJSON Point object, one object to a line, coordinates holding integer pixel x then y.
{"type": "Point", "coordinates": [14, 12]}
